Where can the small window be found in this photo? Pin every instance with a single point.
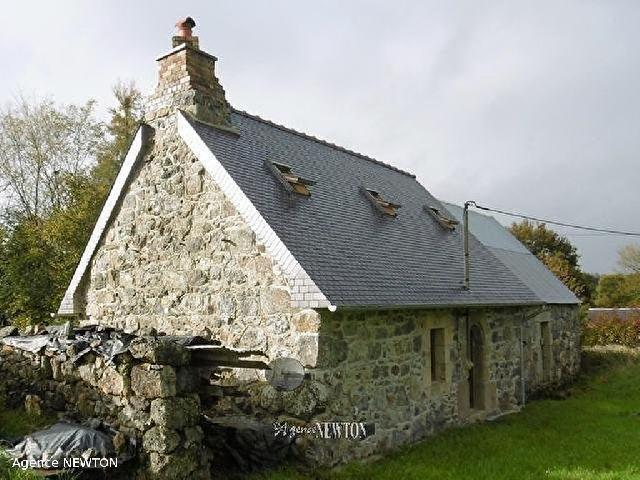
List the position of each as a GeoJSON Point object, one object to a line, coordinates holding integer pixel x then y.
{"type": "Point", "coordinates": [547, 350]}
{"type": "Point", "coordinates": [443, 219]}
{"type": "Point", "coordinates": [383, 205]}
{"type": "Point", "coordinates": [437, 352]}
{"type": "Point", "coordinates": [291, 181]}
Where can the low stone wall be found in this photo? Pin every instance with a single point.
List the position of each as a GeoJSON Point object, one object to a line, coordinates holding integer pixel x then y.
{"type": "Point", "coordinates": [147, 395]}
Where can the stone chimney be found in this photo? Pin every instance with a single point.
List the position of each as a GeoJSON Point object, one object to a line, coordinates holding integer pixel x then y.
{"type": "Point", "coordinates": [187, 81]}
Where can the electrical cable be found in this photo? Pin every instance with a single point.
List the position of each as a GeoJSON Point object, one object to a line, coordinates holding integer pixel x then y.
{"type": "Point", "coordinates": [553, 222]}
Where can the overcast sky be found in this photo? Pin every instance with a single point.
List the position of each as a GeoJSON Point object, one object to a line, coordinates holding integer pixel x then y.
{"type": "Point", "coordinates": [531, 107]}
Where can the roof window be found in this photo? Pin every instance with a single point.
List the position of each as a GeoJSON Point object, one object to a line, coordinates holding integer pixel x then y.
{"type": "Point", "coordinates": [383, 205]}
{"type": "Point", "coordinates": [292, 182]}
{"type": "Point", "coordinates": [443, 219]}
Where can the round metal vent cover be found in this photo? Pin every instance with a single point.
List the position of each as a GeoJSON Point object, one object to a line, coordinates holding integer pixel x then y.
{"type": "Point", "coordinates": [285, 374]}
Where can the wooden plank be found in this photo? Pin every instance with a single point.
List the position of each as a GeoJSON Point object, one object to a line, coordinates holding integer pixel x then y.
{"type": "Point", "coordinates": [231, 363]}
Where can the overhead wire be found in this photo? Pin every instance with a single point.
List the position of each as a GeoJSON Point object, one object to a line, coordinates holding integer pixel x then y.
{"type": "Point", "coordinates": [554, 222]}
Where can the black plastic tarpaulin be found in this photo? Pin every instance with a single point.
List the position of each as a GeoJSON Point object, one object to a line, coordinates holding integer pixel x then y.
{"type": "Point", "coordinates": [105, 342]}
{"type": "Point", "coordinates": [65, 445]}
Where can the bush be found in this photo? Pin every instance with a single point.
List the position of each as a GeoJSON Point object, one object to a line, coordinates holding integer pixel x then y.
{"type": "Point", "coordinates": [610, 329]}
{"type": "Point", "coordinates": [618, 290]}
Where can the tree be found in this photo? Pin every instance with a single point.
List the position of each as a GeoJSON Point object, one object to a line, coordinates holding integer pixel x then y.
{"type": "Point", "coordinates": [51, 216]}
{"type": "Point", "coordinates": [27, 274]}
{"type": "Point", "coordinates": [629, 258]}
{"type": "Point", "coordinates": [125, 120]}
{"type": "Point", "coordinates": [39, 143]}
{"type": "Point", "coordinates": [591, 281]}
{"type": "Point", "coordinates": [556, 252]}
{"type": "Point", "coordinates": [90, 192]}
{"type": "Point", "coordinates": [622, 290]}
{"type": "Point", "coordinates": [42, 145]}
{"type": "Point", "coordinates": [3, 256]}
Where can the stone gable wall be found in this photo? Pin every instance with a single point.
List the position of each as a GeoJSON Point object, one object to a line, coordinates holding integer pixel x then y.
{"type": "Point", "coordinates": [178, 258]}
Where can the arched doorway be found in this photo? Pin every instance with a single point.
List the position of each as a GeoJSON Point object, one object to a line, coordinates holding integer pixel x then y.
{"type": "Point", "coordinates": [477, 371]}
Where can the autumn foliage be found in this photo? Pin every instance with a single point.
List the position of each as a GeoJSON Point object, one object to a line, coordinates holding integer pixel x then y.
{"type": "Point", "coordinates": [612, 329]}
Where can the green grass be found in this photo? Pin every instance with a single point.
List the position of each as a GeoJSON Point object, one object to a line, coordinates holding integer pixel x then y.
{"type": "Point", "coordinates": [592, 435]}
{"type": "Point", "coordinates": [8, 472]}
{"type": "Point", "coordinates": [15, 423]}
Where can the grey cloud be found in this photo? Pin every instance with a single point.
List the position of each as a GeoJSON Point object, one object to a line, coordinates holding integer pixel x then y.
{"type": "Point", "coordinates": [531, 107]}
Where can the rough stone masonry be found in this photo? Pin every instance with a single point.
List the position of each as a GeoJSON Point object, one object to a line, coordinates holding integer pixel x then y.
{"type": "Point", "coordinates": [148, 394]}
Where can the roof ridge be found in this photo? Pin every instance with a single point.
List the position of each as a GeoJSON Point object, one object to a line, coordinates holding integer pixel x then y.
{"type": "Point", "coordinates": [323, 142]}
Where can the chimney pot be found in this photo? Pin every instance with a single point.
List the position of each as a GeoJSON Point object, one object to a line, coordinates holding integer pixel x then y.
{"type": "Point", "coordinates": [185, 26]}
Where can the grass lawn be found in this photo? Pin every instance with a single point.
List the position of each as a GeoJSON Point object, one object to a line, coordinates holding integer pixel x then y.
{"type": "Point", "coordinates": [592, 435]}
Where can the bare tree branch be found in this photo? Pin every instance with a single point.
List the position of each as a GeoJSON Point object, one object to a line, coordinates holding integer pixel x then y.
{"type": "Point", "coordinates": [629, 258]}
{"type": "Point", "coordinates": [40, 143]}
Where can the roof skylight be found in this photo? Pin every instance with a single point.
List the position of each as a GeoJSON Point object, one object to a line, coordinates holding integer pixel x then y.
{"type": "Point", "coordinates": [292, 182]}
{"type": "Point", "coordinates": [443, 219]}
{"type": "Point", "coordinates": [383, 205]}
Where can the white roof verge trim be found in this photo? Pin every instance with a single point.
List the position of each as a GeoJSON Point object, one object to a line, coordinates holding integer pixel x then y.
{"type": "Point", "coordinates": [67, 306]}
{"type": "Point", "coordinates": [312, 297]}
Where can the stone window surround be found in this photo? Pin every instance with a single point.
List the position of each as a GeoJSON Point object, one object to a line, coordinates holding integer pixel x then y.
{"type": "Point", "coordinates": [546, 374]}
{"type": "Point", "coordinates": [437, 354]}
{"type": "Point", "coordinates": [437, 388]}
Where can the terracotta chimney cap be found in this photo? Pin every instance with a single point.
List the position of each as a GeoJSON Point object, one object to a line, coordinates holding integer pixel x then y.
{"type": "Point", "coordinates": [184, 27]}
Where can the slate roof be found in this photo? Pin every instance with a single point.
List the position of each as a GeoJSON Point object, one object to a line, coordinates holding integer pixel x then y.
{"type": "Point", "coordinates": [357, 256]}
{"type": "Point", "coordinates": [516, 257]}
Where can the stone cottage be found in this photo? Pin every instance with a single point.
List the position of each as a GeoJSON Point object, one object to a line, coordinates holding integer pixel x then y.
{"type": "Point", "coordinates": [226, 225]}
